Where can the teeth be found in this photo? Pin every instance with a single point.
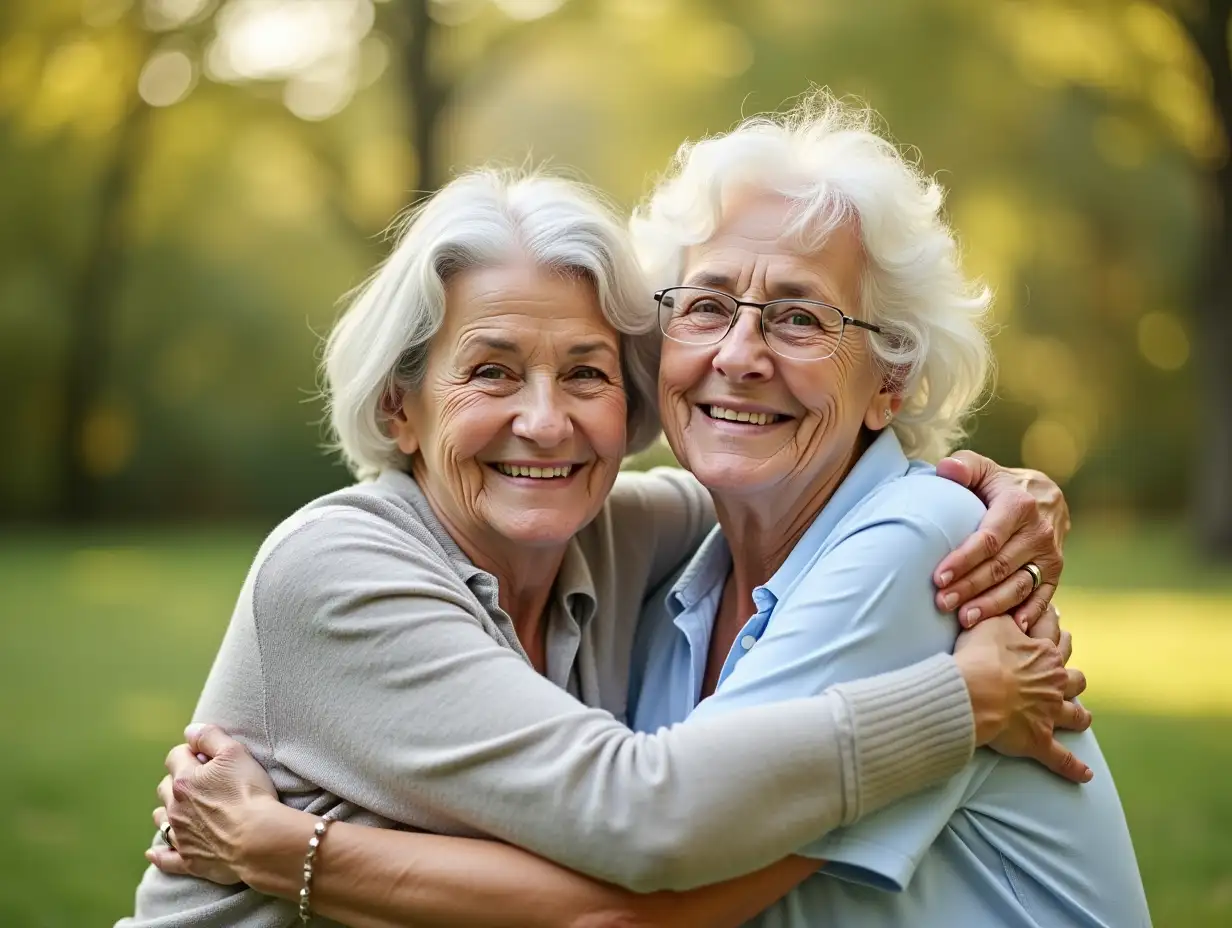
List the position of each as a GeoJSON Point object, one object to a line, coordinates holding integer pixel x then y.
{"type": "Point", "coordinates": [753, 418]}
{"type": "Point", "coordinates": [539, 473]}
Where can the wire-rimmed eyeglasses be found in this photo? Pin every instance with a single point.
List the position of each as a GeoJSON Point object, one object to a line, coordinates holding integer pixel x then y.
{"type": "Point", "coordinates": [803, 330]}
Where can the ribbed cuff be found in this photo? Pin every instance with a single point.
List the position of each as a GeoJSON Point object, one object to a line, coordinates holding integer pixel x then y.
{"type": "Point", "coordinates": [910, 728]}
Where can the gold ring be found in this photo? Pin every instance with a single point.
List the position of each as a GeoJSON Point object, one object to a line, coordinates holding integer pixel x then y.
{"type": "Point", "coordinates": [165, 830]}
{"type": "Point", "coordinates": [1037, 576]}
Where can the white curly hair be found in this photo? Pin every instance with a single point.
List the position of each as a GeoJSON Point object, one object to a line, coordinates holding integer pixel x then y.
{"type": "Point", "coordinates": [827, 157]}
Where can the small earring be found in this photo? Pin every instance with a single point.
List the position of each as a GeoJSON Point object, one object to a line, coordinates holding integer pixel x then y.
{"type": "Point", "coordinates": [889, 415]}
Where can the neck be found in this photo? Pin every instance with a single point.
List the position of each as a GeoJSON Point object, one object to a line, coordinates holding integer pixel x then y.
{"type": "Point", "coordinates": [524, 574]}
{"type": "Point", "coordinates": [524, 578]}
{"type": "Point", "coordinates": [762, 528]}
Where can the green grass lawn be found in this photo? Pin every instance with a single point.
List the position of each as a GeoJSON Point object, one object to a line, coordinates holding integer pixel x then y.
{"type": "Point", "coordinates": [104, 643]}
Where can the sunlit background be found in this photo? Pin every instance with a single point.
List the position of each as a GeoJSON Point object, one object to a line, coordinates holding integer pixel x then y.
{"type": "Point", "coordinates": [188, 187]}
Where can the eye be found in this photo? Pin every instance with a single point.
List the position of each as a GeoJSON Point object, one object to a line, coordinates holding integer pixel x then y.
{"type": "Point", "coordinates": [588, 373]}
{"type": "Point", "coordinates": [707, 305]}
{"type": "Point", "coordinates": [796, 316]}
{"type": "Point", "coordinates": [490, 372]}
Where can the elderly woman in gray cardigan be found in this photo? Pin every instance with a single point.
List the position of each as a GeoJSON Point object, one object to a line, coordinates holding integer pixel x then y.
{"type": "Point", "coordinates": [445, 646]}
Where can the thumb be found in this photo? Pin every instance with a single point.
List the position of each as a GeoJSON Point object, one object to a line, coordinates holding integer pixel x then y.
{"type": "Point", "coordinates": [966, 468]}
{"type": "Point", "coordinates": [209, 740]}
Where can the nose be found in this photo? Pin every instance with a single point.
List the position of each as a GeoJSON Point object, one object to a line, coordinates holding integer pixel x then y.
{"type": "Point", "coordinates": [743, 354]}
{"type": "Point", "coordinates": [542, 417]}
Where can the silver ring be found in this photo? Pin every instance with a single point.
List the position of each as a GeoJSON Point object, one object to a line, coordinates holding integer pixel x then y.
{"type": "Point", "coordinates": [165, 830]}
{"type": "Point", "coordinates": [1037, 576]}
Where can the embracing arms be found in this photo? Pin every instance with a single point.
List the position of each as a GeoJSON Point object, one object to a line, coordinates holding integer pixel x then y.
{"type": "Point", "coordinates": [366, 879]}
{"type": "Point", "coordinates": [230, 827]}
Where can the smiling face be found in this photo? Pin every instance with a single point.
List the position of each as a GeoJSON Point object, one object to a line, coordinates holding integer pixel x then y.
{"type": "Point", "coordinates": [743, 419]}
{"type": "Point", "coordinates": [518, 429]}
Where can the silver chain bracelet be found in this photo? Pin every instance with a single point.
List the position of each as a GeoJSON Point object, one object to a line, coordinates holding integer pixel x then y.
{"type": "Point", "coordinates": [305, 894]}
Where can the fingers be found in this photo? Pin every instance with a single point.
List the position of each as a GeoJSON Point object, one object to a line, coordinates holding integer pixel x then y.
{"type": "Point", "coordinates": [1009, 511]}
{"type": "Point", "coordinates": [1065, 644]}
{"type": "Point", "coordinates": [1033, 609]}
{"type": "Point", "coordinates": [181, 761]}
{"type": "Point", "coordinates": [1072, 717]}
{"type": "Point", "coordinates": [209, 740]}
{"type": "Point", "coordinates": [165, 796]}
{"type": "Point", "coordinates": [1048, 628]}
{"type": "Point", "coordinates": [1061, 761]}
{"type": "Point", "coordinates": [966, 468]}
{"type": "Point", "coordinates": [167, 860]}
{"type": "Point", "coordinates": [1075, 683]}
{"type": "Point", "coordinates": [1004, 597]}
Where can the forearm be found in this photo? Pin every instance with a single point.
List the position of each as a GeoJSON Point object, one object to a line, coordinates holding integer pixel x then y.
{"type": "Point", "coordinates": [471, 737]}
{"type": "Point", "coordinates": [376, 878]}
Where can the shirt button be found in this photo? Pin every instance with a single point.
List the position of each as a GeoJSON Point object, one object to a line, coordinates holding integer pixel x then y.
{"type": "Point", "coordinates": [747, 642]}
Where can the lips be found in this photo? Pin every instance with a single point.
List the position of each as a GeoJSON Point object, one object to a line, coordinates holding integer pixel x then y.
{"type": "Point", "coordinates": [733, 415]}
{"type": "Point", "coordinates": [535, 473]}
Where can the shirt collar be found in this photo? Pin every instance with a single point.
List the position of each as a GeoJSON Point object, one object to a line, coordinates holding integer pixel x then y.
{"type": "Point", "coordinates": [574, 584]}
{"type": "Point", "coordinates": [883, 460]}
{"type": "Point", "coordinates": [707, 569]}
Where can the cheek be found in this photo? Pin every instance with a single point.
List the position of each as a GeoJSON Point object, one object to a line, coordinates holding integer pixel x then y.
{"type": "Point", "coordinates": [466, 421]}
{"type": "Point", "coordinates": [837, 394]}
{"type": "Point", "coordinates": [604, 420]}
{"type": "Point", "coordinates": [681, 370]}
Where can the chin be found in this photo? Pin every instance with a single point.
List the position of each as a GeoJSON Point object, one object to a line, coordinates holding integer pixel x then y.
{"type": "Point", "coordinates": [539, 527]}
{"type": "Point", "coordinates": [734, 477]}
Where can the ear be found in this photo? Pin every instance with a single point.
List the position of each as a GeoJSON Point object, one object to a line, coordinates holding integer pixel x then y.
{"type": "Point", "coordinates": [399, 423]}
{"type": "Point", "coordinates": [884, 406]}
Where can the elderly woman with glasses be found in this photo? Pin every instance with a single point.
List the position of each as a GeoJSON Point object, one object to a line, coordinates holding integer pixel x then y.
{"type": "Point", "coordinates": [757, 735]}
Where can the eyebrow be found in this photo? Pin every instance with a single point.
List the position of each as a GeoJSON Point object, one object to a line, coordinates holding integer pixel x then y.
{"type": "Point", "coordinates": [496, 344]}
{"type": "Point", "coordinates": [786, 289]}
{"type": "Point", "coordinates": [591, 348]}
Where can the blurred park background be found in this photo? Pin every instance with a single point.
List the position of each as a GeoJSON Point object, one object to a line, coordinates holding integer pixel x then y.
{"type": "Point", "coordinates": [187, 187]}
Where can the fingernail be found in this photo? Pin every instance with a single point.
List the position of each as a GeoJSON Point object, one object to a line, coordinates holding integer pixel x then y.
{"type": "Point", "coordinates": [945, 578]}
{"type": "Point", "coordinates": [1087, 775]}
{"type": "Point", "coordinates": [971, 616]}
{"type": "Point", "coordinates": [950, 600]}
{"type": "Point", "coordinates": [193, 730]}
{"type": "Point", "coordinates": [149, 855]}
{"type": "Point", "coordinates": [203, 758]}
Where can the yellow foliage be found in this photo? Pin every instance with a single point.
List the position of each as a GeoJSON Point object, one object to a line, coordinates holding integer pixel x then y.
{"type": "Point", "coordinates": [1162, 653]}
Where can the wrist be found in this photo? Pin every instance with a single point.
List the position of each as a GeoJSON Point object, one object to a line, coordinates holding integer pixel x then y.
{"type": "Point", "coordinates": [271, 848]}
{"type": "Point", "coordinates": [986, 686]}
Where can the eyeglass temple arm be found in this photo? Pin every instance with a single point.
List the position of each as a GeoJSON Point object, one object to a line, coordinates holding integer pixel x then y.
{"type": "Point", "coordinates": [861, 324]}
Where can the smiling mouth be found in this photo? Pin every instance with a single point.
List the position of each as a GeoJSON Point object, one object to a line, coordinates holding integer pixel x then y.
{"type": "Point", "coordinates": [535, 473]}
{"type": "Point", "coordinates": [752, 418]}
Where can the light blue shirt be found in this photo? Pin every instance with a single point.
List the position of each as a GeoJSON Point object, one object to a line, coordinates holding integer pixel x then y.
{"type": "Point", "coordinates": [1005, 842]}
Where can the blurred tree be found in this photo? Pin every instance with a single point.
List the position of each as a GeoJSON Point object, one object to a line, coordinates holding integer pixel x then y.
{"type": "Point", "coordinates": [91, 302]}
{"type": "Point", "coordinates": [1208, 23]}
{"type": "Point", "coordinates": [1076, 140]}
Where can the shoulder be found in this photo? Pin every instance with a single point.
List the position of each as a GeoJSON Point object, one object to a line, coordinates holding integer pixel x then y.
{"type": "Point", "coordinates": [645, 492]}
{"type": "Point", "coordinates": [919, 501]}
{"type": "Point", "coordinates": [359, 535]}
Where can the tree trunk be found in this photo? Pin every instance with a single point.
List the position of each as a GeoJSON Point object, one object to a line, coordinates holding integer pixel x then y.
{"type": "Point", "coordinates": [91, 310]}
{"type": "Point", "coordinates": [426, 96]}
{"type": "Point", "coordinates": [1213, 499]}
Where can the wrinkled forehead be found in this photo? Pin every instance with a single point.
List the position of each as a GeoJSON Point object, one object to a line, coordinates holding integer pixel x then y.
{"type": "Point", "coordinates": [775, 242]}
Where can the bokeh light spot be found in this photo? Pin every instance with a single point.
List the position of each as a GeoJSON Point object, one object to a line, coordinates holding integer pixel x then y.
{"type": "Point", "coordinates": [1162, 341]}
{"type": "Point", "coordinates": [526, 10]}
{"type": "Point", "coordinates": [167, 78]}
{"type": "Point", "coordinates": [1049, 446]}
